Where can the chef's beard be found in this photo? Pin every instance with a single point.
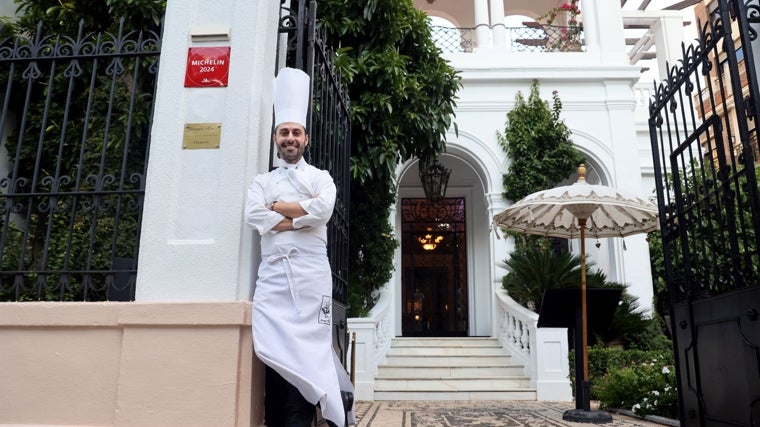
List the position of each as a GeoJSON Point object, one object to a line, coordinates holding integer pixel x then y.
{"type": "Point", "coordinates": [292, 156]}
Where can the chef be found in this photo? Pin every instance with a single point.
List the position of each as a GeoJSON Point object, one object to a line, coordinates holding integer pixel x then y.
{"type": "Point", "coordinates": [292, 304]}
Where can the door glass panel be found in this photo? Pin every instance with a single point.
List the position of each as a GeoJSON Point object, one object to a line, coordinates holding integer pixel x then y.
{"type": "Point", "coordinates": [434, 268]}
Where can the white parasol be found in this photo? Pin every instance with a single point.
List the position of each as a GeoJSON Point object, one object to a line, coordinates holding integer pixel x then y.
{"type": "Point", "coordinates": [580, 210]}
{"type": "Point", "coordinates": [559, 212]}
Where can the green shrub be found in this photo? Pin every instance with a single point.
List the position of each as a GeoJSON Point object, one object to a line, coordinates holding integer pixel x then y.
{"type": "Point", "coordinates": [637, 380]}
{"type": "Point", "coordinates": [633, 329]}
{"type": "Point", "coordinates": [646, 388]}
{"type": "Point", "coordinates": [533, 270]}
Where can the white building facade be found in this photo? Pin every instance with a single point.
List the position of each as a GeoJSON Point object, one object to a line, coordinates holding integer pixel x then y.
{"type": "Point", "coordinates": [604, 104]}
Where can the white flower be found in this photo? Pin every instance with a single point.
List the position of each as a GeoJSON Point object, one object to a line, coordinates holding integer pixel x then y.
{"type": "Point", "coordinates": [655, 392]}
{"type": "Point", "coordinates": [665, 370]}
{"type": "Point", "coordinates": [635, 407]}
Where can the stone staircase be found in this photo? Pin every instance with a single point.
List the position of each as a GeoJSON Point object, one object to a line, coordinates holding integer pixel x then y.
{"type": "Point", "coordinates": [450, 369]}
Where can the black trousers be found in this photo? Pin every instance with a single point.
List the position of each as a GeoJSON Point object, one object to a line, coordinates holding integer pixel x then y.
{"type": "Point", "coordinates": [284, 405]}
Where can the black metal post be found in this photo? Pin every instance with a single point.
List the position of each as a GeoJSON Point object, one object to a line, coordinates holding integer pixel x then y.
{"type": "Point", "coordinates": [582, 412]}
{"type": "Point", "coordinates": [580, 395]}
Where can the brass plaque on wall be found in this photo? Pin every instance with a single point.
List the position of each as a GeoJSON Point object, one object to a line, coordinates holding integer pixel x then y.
{"type": "Point", "coordinates": [202, 136]}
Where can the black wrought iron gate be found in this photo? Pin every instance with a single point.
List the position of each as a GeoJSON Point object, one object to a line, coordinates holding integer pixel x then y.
{"type": "Point", "coordinates": [330, 135]}
{"type": "Point", "coordinates": [704, 132]}
{"type": "Point", "coordinates": [74, 141]}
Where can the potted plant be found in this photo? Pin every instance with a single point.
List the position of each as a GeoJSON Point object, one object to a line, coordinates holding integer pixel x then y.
{"type": "Point", "coordinates": [563, 26]}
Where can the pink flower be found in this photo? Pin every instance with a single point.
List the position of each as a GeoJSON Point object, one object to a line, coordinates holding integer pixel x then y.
{"type": "Point", "coordinates": [569, 7]}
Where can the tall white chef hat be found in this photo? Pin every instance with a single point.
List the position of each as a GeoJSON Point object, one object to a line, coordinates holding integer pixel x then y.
{"type": "Point", "coordinates": [291, 96]}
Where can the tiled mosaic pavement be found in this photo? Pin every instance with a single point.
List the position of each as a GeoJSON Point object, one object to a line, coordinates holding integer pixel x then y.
{"type": "Point", "coordinates": [474, 414]}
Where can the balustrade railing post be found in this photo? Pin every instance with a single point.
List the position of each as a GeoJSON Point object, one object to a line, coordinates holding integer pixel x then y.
{"type": "Point", "coordinates": [543, 352]}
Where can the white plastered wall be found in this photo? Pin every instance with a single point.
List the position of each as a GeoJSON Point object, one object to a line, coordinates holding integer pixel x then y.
{"type": "Point", "coordinates": [194, 243]}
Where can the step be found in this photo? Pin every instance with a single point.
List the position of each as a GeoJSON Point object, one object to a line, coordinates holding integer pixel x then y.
{"type": "Point", "coordinates": [457, 395]}
{"type": "Point", "coordinates": [451, 384]}
{"type": "Point", "coordinates": [453, 371]}
{"type": "Point", "coordinates": [445, 360]}
{"type": "Point", "coordinates": [445, 342]}
{"type": "Point", "coordinates": [446, 351]}
{"type": "Point", "coordinates": [450, 369]}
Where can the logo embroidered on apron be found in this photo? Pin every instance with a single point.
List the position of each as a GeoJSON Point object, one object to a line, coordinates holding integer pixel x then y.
{"type": "Point", "coordinates": [325, 312]}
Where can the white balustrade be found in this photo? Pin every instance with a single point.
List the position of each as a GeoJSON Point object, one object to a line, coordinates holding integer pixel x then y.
{"type": "Point", "coordinates": [373, 339]}
{"type": "Point", "coordinates": [643, 93]}
{"type": "Point", "coordinates": [542, 351]}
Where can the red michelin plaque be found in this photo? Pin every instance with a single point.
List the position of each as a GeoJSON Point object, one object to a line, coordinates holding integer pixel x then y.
{"type": "Point", "coordinates": [207, 66]}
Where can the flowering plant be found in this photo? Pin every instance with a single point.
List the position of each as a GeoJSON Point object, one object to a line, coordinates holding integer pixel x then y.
{"type": "Point", "coordinates": [563, 26]}
{"type": "Point", "coordinates": [662, 399]}
{"type": "Point", "coordinates": [646, 388]}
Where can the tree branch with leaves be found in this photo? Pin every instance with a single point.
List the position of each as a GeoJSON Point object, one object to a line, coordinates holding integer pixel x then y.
{"type": "Point", "coordinates": [402, 105]}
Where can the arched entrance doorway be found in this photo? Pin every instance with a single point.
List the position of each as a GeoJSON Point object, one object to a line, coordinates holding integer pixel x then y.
{"type": "Point", "coordinates": [434, 260]}
{"type": "Point", "coordinates": [467, 211]}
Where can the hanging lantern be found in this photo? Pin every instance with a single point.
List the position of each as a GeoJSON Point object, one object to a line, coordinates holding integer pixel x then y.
{"type": "Point", "coordinates": [435, 179]}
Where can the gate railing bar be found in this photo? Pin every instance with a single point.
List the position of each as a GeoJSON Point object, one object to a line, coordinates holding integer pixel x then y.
{"type": "Point", "coordinates": [746, 108]}
{"type": "Point", "coordinates": [84, 210]}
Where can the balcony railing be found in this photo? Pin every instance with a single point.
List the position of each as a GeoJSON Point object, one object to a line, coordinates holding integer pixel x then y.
{"type": "Point", "coordinates": [533, 37]}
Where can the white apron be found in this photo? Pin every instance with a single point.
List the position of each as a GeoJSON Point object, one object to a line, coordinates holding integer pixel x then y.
{"type": "Point", "coordinates": [292, 324]}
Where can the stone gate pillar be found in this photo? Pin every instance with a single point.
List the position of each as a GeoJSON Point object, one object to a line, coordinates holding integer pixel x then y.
{"type": "Point", "coordinates": [207, 143]}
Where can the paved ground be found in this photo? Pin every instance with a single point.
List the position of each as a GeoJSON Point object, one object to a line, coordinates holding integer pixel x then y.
{"type": "Point", "coordinates": [474, 414]}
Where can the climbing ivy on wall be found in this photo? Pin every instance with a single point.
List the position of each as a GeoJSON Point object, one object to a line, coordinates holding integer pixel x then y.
{"type": "Point", "coordinates": [537, 142]}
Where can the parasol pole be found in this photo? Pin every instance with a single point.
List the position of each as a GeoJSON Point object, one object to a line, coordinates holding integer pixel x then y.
{"type": "Point", "coordinates": [584, 333]}
{"type": "Point", "coordinates": [584, 321]}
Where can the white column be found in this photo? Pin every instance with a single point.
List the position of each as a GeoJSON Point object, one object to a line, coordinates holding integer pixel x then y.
{"type": "Point", "coordinates": [497, 24]}
{"type": "Point", "coordinates": [194, 245]}
{"type": "Point", "coordinates": [668, 36]}
{"type": "Point", "coordinates": [632, 265]}
{"type": "Point", "coordinates": [482, 30]}
{"type": "Point", "coordinates": [590, 25]}
{"type": "Point", "coordinates": [603, 30]}
{"type": "Point", "coordinates": [501, 245]}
